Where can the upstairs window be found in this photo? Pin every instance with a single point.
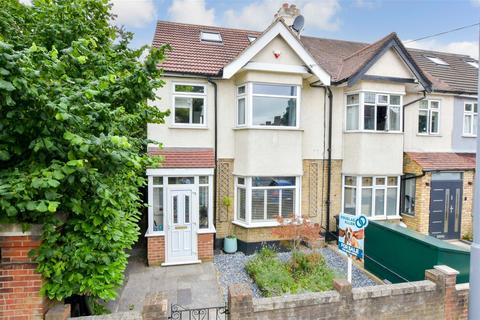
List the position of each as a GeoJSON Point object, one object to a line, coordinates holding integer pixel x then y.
{"type": "Point", "coordinates": [267, 105]}
{"type": "Point", "coordinates": [437, 60]}
{"type": "Point", "coordinates": [429, 117]}
{"type": "Point", "coordinates": [370, 111]}
{"type": "Point", "coordinates": [209, 36]}
{"type": "Point", "coordinates": [470, 113]}
{"type": "Point", "coordinates": [189, 106]}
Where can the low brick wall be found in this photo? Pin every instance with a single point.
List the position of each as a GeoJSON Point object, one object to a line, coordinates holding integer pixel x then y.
{"type": "Point", "coordinates": [19, 282]}
{"type": "Point", "coordinates": [438, 297]}
{"type": "Point", "coordinates": [156, 248]}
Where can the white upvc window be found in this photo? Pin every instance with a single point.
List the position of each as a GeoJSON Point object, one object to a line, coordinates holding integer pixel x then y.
{"type": "Point", "coordinates": [189, 104]}
{"type": "Point", "coordinates": [429, 117]}
{"type": "Point", "coordinates": [376, 197]}
{"type": "Point", "coordinates": [373, 112]}
{"type": "Point", "coordinates": [260, 200]}
{"type": "Point", "coordinates": [266, 105]}
{"type": "Point", "coordinates": [159, 183]}
{"type": "Point", "coordinates": [470, 114]}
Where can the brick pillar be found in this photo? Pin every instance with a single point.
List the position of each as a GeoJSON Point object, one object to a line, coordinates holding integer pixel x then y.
{"type": "Point", "coordinates": [446, 279]}
{"type": "Point", "coordinates": [19, 282]}
{"type": "Point", "coordinates": [155, 250]}
{"type": "Point", "coordinates": [240, 302]}
{"type": "Point", "coordinates": [205, 247]}
{"type": "Point", "coordinates": [155, 306]}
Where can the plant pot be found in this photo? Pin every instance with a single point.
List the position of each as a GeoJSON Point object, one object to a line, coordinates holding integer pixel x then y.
{"type": "Point", "coordinates": [230, 244]}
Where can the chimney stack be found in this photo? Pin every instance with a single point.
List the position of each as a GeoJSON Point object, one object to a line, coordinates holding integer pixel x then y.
{"type": "Point", "coordinates": [288, 13]}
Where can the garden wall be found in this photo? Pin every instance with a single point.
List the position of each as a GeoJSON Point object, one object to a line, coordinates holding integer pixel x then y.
{"type": "Point", "coordinates": [20, 284]}
{"type": "Point", "coordinates": [438, 297]}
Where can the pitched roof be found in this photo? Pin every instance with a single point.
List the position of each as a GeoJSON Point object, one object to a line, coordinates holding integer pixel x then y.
{"type": "Point", "coordinates": [185, 157]}
{"type": "Point", "coordinates": [341, 59]}
{"type": "Point", "coordinates": [443, 160]}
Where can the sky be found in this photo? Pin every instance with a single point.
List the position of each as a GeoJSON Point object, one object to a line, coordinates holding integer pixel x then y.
{"type": "Point", "coordinates": [355, 20]}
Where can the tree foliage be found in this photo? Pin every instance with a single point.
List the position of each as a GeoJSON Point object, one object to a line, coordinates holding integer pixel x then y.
{"type": "Point", "coordinates": [74, 112]}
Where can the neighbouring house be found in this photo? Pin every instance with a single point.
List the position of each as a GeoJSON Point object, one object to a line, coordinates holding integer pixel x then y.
{"type": "Point", "coordinates": [278, 123]}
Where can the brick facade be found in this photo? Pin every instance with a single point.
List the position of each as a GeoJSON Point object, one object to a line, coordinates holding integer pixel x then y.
{"type": "Point", "coordinates": [313, 198]}
{"type": "Point", "coordinates": [421, 219]}
{"type": "Point", "coordinates": [436, 298]}
{"type": "Point", "coordinates": [156, 248]}
{"type": "Point", "coordinates": [20, 284]}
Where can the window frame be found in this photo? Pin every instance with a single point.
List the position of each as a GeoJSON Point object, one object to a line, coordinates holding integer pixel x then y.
{"type": "Point", "coordinates": [249, 95]}
{"type": "Point", "coordinates": [199, 95]}
{"type": "Point", "coordinates": [361, 111]}
{"type": "Point", "coordinates": [472, 114]}
{"type": "Point", "coordinates": [430, 110]}
{"type": "Point", "coordinates": [249, 222]}
{"type": "Point", "coordinates": [358, 195]}
{"type": "Point", "coordinates": [195, 187]}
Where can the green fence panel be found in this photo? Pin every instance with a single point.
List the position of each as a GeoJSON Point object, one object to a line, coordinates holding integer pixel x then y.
{"type": "Point", "coordinates": [399, 254]}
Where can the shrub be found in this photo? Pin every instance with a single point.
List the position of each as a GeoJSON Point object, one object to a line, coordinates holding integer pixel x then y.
{"type": "Point", "coordinates": [302, 273]}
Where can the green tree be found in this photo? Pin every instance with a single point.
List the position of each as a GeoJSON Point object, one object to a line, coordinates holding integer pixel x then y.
{"type": "Point", "coordinates": [73, 118]}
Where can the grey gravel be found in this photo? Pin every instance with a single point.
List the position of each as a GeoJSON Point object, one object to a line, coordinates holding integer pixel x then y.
{"type": "Point", "coordinates": [231, 269]}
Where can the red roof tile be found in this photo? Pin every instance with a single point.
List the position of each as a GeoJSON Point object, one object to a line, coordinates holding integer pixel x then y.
{"type": "Point", "coordinates": [443, 160]}
{"type": "Point", "coordinates": [185, 157]}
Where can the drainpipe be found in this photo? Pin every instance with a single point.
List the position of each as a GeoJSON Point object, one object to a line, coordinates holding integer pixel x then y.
{"type": "Point", "coordinates": [328, 235]}
{"type": "Point", "coordinates": [474, 306]}
{"type": "Point", "coordinates": [410, 103]}
{"type": "Point", "coordinates": [215, 155]}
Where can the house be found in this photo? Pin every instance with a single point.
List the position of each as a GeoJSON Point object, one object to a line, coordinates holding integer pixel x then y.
{"type": "Point", "coordinates": [278, 123]}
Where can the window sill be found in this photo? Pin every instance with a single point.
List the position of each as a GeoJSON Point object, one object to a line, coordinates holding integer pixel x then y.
{"type": "Point", "coordinates": [154, 234]}
{"type": "Point", "coordinates": [206, 231]}
{"type": "Point", "coordinates": [373, 132]}
{"type": "Point", "coordinates": [268, 128]}
{"type": "Point", "coordinates": [410, 215]}
{"type": "Point", "coordinates": [438, 135]}
{"type": "Point", "coordinates": [468, 136]}
{"type": "Point", "coordinates": [256, 224]}
{"type": "Point", "coordinates": [187, 126]}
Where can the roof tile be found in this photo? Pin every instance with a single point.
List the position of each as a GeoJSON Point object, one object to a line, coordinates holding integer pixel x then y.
{"type": "Point", "coordinates": [443, 160]}
{"type": "Point", "coordinates": [185, 157]}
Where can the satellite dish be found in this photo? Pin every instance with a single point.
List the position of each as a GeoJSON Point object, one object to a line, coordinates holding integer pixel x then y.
{"type": "Point", "coordinates": [298, 23]}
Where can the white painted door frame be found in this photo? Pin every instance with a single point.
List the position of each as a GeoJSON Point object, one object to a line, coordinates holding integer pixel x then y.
{"type": "Point", "coordinates": [181, 235]}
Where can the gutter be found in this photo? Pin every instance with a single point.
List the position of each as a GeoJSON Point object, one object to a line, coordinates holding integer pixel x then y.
{"type": "Point", "coordinates": [215, 154]}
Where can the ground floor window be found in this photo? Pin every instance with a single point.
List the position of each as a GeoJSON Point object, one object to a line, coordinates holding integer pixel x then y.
{"type": "Point", "coordinates": [160, 187]}
{"type": "Point", "coordinates": [408, 194]}
{"type": "Point", "coordinates": [373, 196]}
{"type": "Point", "coordinates": [263, 199]}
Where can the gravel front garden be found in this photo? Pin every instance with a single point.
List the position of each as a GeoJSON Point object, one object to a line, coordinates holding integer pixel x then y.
{"type": "Point", "coordinates": [231, 269]}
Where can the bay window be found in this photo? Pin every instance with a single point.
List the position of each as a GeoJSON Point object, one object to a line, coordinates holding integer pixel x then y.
{"type": "Point", "coordinates": [470, 114]}
{"type": "Point", "coordinates": [372, 196]}
{"type": "Point", "coordinates": [267, 105]}
{"type": "Point", "coordinates": [370, 111]}
{"type": "Point", "coordinates": [429, 117]}
{"type": "Point", "coordinates": [189, 108]}
{"type": "Point", "coordinates": [261, 200]}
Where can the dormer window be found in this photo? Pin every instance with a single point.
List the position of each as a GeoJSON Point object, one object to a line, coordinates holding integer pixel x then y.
{"type": "Point", "coordinates": [251, 38]}
{"type": "Point", "coordinates": [437, 60]}
{"type": "Point", "coordinates": [473, 63]}
{"type": "Point", "coordinates": [209, 36]}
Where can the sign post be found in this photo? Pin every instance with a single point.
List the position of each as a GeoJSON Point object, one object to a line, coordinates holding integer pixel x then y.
{"type": "Point", "coordinates": [351, 238]}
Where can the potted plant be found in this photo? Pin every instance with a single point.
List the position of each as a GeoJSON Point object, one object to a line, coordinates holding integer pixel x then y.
{"type": "Point", "coordinates": [230, 241]}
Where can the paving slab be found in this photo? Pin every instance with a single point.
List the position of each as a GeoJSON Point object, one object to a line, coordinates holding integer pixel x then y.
{"type": "Point", "coordinates": [192, 286]}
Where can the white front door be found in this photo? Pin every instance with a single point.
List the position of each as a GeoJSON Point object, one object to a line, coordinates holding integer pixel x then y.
{"type": "Point", "coordinates": [181, 233]}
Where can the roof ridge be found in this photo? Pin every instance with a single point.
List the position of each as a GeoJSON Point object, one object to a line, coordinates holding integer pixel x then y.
{"type": "Point", "coordinates": [390, 35]}
{"type": "Point", "coordinates": [206, 26]}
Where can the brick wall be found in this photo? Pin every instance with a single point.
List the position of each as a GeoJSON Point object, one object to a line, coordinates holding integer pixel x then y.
{"type": "Point", "coordinates": [435, 298]}
{"type": "Point", "coordinates": [156, 248]}
{"type": "Point", "coordinates": [421, 219]}
{"type": "Point", "coordinates": [19, 283]}
{"type": "Point", "coordinates": [205, 247]}
{"type": "Point", "coordinates": [313, 197]}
